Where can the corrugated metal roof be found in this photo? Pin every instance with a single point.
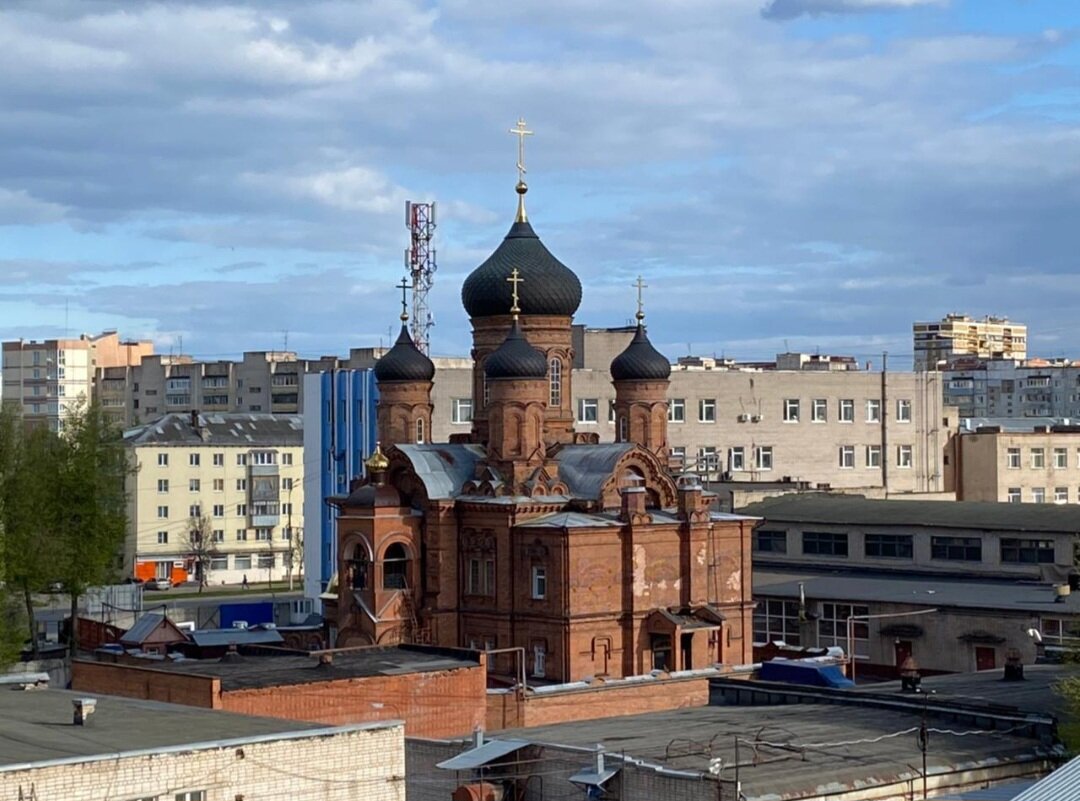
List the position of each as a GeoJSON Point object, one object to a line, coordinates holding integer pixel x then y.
{"type": "Point", "coordinates": [143, 628]}
{"type": "Point", "coordinates": [444, 469]}
{"type": "Point", "coordinates": [585, 468]}
{"type": "Point", "coordinates": [212, 637]}
{"type": "Point", "coordinates": [1061, 785]}
{"type": "Point", "coordinates": [1001, 792]}
{"type": "Point", "coordinates": [478, 757]}
{"type": "Point", "coordinates": [570, 520]}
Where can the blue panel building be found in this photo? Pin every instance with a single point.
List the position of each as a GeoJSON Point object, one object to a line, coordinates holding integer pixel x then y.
{"type": "Point", "coordinates": [339, 434]}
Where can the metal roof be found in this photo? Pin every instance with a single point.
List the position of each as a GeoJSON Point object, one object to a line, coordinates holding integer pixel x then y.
{"type": "Point", "coordinates": [1061, 785]}
{"type": "Point", "coordinates": [212, 637]}
{"type": "Point", "coordinates": [442, 468]}
{"type": "Point", "coordinates": [854, 510]}
{"type": "Point", "coordinates": [585, 468]}
{"type": "Point", "coordinates": [144, 627]}
{"type": "Point", "coordinates": [570, 520]}
{"type": "Point", "coordinates": [1001, 792]}
{"type": "Point", "coordinates": [237, 430]}
{"type": "Point", "coordinates": [482, 755]}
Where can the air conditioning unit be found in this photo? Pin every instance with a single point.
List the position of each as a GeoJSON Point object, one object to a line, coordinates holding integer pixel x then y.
{"type": "Point", "coordinates": [755, 418]}
{"type": "Point", "coordinates": [744, 418]}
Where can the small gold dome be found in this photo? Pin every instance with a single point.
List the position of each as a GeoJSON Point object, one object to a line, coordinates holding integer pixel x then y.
{"type": "Point", "coordinates": [377, 462]}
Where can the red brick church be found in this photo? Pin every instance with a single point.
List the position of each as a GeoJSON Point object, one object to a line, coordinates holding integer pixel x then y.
{"type": "Point", "coordinates": [526, 534]}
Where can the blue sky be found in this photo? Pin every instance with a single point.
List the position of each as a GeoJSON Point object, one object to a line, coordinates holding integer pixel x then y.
{"type": "Point", "coordinates": [811, 174]}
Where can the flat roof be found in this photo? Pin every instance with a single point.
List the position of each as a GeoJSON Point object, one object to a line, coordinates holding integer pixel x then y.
{"type": "Point", "coordinates": [1016, 596]}
{"type": "Point", "coordinates": [36, 728]}
{"type": "Point", "coordinates": [855, 510]}
{"type": "Point", "coordinates": [253, 671]}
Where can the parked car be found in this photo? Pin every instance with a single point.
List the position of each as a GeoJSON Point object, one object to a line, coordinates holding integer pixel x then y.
{"type": "Point", "coordinates": [159, 584]}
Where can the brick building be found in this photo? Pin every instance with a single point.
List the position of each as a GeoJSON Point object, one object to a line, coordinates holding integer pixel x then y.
{"type": "Point", "coordinates": [525, 533]}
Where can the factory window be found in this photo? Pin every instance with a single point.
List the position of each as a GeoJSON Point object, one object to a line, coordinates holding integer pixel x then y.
{"type": "Point", "coordinates": [847, 456]}
{"type": "Point", "coordinates": [1027, 552]}
{"type": "Point", "coordinates": [588, 410]}
{"type": "Point", "coordinates": [873, 410]}
{"type": "Point", "coordinates": [776, 620]}
{"type": "Point", "coordinates": [1038, 457]}
{"type": "Point", "coordinates": [707, 410]}
{"type": "Point", "coordinates": [873, 456]}
{"type": "Point", "coordinates": [824, 543]}
{"type": "Point", "coordinates": [1061, 458]}
{"type": "Point", "coordinates": [889, 546]}
{"type": "Point", "coordinates": [763, 457]}
{"type": "Point", "coordinates": [707, 459]}
{"type": "Point", "coordinates": [903, 456]}
{"type": "Point", "coordinates": [847, 410]}
{"type": "Point", "coordinates": [770, 541]}
{"type": "Point", "coordinates": [736, 459]}
{"type": "Point", "coordinates": [833, 628]}
{"type": "Point", "coordinates": [956, 549]}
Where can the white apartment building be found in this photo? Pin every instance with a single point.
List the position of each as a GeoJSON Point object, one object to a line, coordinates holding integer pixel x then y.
{"type": "Point", "coordinates": [955, 335]}
{"type": "Point", "coordinates": [241, 474]}
{"type": "Point", "coordinates": [46, 378]}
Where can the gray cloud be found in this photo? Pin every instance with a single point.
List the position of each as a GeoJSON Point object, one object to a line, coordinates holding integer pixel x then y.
{"type": "Point", "coordinates": [790, 9]}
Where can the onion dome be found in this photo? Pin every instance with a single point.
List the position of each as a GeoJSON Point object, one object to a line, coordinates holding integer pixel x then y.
{"type": "Point", "coordinates": [404, 362]}
{"type": "Point", "coordinates": [549, 286]}
{"type": "Point", "coordinates": [640, 361]}
{"type": "Point", "coordinates": [516, 358]}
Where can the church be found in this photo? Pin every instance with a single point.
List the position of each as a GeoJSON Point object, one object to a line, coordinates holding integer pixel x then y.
{"type": "Point", "coordinates": [566, 557]}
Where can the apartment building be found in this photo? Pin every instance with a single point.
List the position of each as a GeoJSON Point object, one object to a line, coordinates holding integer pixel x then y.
{"type": "Point", "coordinates": [956, 335]}
{"type": "Point", "coordinates": [1040, 465]}
{"type": "Point", "coordinates": [1035, 388]}
{"type": "Point", "coordinates": [46, 377]}
{"type": "Point", "coordinates": [238, 477]}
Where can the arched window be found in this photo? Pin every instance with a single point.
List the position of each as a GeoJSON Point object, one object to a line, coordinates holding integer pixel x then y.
{"type": "Point", "coordinates": [555, 382]}
{"type": "Point", "coordinates": [359, 568]}
{"type": "Point", "coordinates": [622, 428]}
{"type": "Point", "coordinates": [395, 567]}
{"type": "Point", "coordinates": [420, 431]}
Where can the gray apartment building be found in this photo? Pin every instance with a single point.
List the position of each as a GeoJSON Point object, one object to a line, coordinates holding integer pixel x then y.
{"type": "Point", "coordinates": [1009, 388]}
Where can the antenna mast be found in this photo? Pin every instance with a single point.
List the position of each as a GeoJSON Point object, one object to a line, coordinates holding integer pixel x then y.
{"type": "Point", "coordinates": [420, 264]}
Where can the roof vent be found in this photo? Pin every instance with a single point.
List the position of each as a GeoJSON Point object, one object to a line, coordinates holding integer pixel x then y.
{"type": "Point", "coordinates": [84, 708]}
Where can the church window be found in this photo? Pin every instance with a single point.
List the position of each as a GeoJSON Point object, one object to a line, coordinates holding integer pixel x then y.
{"type": "Point", "coordinates": [539, 582]}
{"type": "Point", "coordinates": [359, 568]}
{"type": "Point", "coordinates": [395, 567]}
{"type": "Point", "coordinates": [487, 393]}
{"type": "Point", "coordinates": [623, 433]}
{"type": "Point", "coordinates": [555, 382]}
{"type": "Point", "coordinates": [420, 431]}
{"type": "Point", "coordinates": [481, 576]}
{"type": "Point", "coordinates": [539, 653]}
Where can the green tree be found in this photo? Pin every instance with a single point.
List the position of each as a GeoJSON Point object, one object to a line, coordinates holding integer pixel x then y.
{"type": "Point", "coordinates": [201, 548]}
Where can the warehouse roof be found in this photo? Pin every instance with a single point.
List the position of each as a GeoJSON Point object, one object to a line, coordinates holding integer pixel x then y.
{"type": "Point", "coordinates": [223, 430]}
{"type": "Point", "coordinates": [854, 510]}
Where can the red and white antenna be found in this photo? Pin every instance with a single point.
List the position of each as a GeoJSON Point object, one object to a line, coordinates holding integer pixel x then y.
{"type": "Point", "coordinates": [420, 264]}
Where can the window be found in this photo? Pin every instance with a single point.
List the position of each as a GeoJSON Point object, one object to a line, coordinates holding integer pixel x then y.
{"type": "Point", "coordinates": [163, 460]}
{"type": "Point", "coordinates": [554, 384]}
{"type": "Point", "coordinates": [736, 459]}
{"type": "Point", "coordinates": [461, 410]}
{"type": "Point", "coordinates": [770, 541]}
{"type": "Point", "coordinates": [678, 456]}
{"type": "Point", "coordinates": [219, 562]}
{"type": "Point", "coordinates": [824, 543]}
{"type": "Point", "coordinates": [873, 410]}
{"type": "Point", "coordinates": [219, 510]}
{"type": "Point", "coordinates": [1012, 458]}
{"type": "Point", "coordinates": [195, 510]}
{"type": "Point", "coordinates": [487, 393]}
{"type": "Point", "coordinates": [193, 485]}
{"type": "Point", "coordinates": [1038, 457]}
{"type": "Point", "coordinates": [1027, 552]}
{"type": "Point", "coordinates": [218, 535]}
{"type": "Point", "coordinates": [819, 410]}
{"type": "Point", "coordinates": [241, 484]}
{"type": "Point", "coordinates": [286, 508]}
{"type": "Point", "coordinates": [1038, 494]}
{"type": "Point", "coordinates": [776, 620]}
{"type": "Point", "coordinates": [241, 535]}
{"type": "Point", "coordinates": [219, 485]}
{"type": "Point", "coordinates": [163, 512]}
{"type": "Point", "coordinates": [889, 546]}
{"type": "Point", "coordinates": [242, 561]}
{"type": "Point", "coordinates": [676, 412]}
{"type": "Point", "coordinates": [611, 411]}
{"type": "Point", "coordinates": [791, 410]}
{"type": "Point", "coordinates": [624, 433]}
{"type": "Point", "coordinates": [191, 795]}
{"type": "Point", "coordinates": [903, 456]}
{"type": "Point", "coordinates": [286, 459]}
{"type": "Point", "coordinates": [286, 532]}
{"type": "Point", "coordinates": [833, 628]}
{"type": "Point", "coordinates": [539, 583]}
{"type": "Point", "coordinates": [1014, 495]}
{"type": "Point", "coordinates": [873, 456]}
{"type": "Point", "coordinates": [219, 460]}
{"type": "Point", "coordinates": [956, 549]}
{"type": "Point", "coordinates": [420, 431]}
{"type": "Point", "coordinates": [707, 410]}
{"type": "Point", "coordinates": [588, 409]}
{"type": "Point", "coordinates": [847, 411]}
{"type": "Point", "coordinates": [162, 486]}
{"type": "Point", "coordinates": [1061, 458]}
{"type": "Point", "coordinates": [241, 460]}
{"type": "Point", "coordinates": [193, 459]}
{"type": "Point", "coordinates": [903, 411]}
{"type": "Point", "coordinates": [241, 509]}
{"type": "Point", "coordinates": [539, 659]}
{"type": "Point", "coordinates": [481, 577]}
{"type": "Point", "coordinates": [763, 457]}
{"type": "Point", "coordinates": [1061, 495]}
{"type": "Point", "coordinates": [264, 457]}
{"type": "Point", "coordinates": [163, 537]}
{"type": "Point", "coordinates": [267, 560]}
{"type": "Point", "coordinates": [286, 483]}
{"type": "Point", "coordinates": [707, 459]}
{"type": "Point", "coordinates": [847, 456]}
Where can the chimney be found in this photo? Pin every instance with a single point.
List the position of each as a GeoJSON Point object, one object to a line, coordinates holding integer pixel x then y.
{"type": "Point", "coordinates": [689, 495]}
{"type": "Point", "coordinates": [84, 708]}
{"type": "Point", "coordinates": [633, 503]}
{"type": "Point", "coordinates": [326, 660]}
{"type": "Point", "coordinates": [195, 419]}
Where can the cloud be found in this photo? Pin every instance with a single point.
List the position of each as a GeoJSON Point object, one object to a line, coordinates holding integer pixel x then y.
{"type": "Point", "coordinates": [790, 9]}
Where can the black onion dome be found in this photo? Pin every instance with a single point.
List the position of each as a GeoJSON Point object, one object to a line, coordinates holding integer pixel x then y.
{"type": "Point", "coordinates": [548, 285]}
{"type": "Point", "coordinates": [404, 362]}
{"type": "Point", "coordinates": [516, 358]}
{"type": "Point", "coordinates": [640, 361]}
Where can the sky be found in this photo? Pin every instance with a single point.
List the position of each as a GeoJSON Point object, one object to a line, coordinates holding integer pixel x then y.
{"type": "Point", "coordinates": [786, 174]}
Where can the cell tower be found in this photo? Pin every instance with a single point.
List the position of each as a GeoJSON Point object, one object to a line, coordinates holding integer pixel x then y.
{"type": "Point", "coordinates": [420, 264]}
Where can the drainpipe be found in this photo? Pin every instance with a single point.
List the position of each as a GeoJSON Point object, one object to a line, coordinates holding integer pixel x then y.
{"type": "Point", "coordinates": [884, 423]}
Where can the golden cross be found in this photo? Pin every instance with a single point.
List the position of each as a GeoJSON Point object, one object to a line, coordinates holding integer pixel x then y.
{"type": "Point", "coordinates": [404, 287]}
{"type": "Point", "coordinates": [640, 303]}
{"type": "Point", "coordinates": [515, 279]}
{"type": "Point", "coordinates": [520, 131]}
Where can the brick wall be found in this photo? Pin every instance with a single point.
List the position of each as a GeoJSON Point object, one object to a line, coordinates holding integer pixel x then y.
{"type": "Point", "coordinates": [149, 684]}
{"type": "Point", "coordinates": [368, 764]}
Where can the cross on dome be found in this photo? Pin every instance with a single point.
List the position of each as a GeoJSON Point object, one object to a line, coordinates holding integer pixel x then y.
{"type": "Point", "coordinates": [640, 284]}
{"type": "Point", "coordinates": [404, 286]}
{"type": "Point", "coordinates": [515, 279]}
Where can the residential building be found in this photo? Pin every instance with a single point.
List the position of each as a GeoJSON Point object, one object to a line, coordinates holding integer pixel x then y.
{"type": "Point", "coordinates": [46, 378]}
{"type": "Point", "coordinates": [956, 335]}
{"type": "Point", "coordinates": [1013, 390]}
{"type": "Point", "coordinates": [237, 479]}
{"type": "Point", "coordinates": [1038, 465]}
{"type": "Point", "coordinates": [131, 749]}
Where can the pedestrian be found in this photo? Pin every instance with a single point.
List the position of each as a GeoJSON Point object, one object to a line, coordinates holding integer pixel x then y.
{"type": "Point", "coordinates": [244, 583]}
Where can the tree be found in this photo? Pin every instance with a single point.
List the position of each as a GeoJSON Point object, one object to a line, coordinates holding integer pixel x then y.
{"type": "Point", "coordinates": [201, 548]}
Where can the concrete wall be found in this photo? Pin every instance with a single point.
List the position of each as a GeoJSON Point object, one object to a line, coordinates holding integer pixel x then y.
{"type": "Point", "coordinates": [985, 472]}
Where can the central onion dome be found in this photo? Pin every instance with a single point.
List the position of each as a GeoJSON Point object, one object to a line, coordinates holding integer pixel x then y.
{"type": "Point", "coordinates": [640, 361]}
{"type": "Point", "coordinates": [549, 286]}
{"type": "Point", "coordinates": [516, 358]}
{"type": "Point", "coordinates": [404, 362]}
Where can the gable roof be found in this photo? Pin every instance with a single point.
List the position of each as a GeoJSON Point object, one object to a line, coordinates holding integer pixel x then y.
{"type": "Point", "coordinates": [147, 628]}
{"type": "Point", "coordinates": [443, 468]}
{"type": "Point", "coordinates": [585, 468]}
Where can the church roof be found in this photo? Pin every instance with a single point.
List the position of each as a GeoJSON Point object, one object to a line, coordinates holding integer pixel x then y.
{"type": "Point", "coordinates": [549, 286]}
{"type": "Point", "coordinates": [516, 358]}
{"type": "Point", "coordinates": [640, 361]}
{"type": "Point", "coordinates": [404, 362]}
{"type": "Point", "coordinates": [585, 468]}
{"type": "Point", "coordinates": [571, 520]}
{"type": "Point", "coordinates": [443, 468]}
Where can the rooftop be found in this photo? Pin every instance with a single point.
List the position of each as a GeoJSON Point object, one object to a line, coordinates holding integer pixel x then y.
{"type": "Point", "coordinates": [36, 727]}
{"type": "Point", "coordinates": [249, 672]}
{"type": "Point", "coordinates": [854, 510]}
{"type": "Point", "coordinates": [243, 430]}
